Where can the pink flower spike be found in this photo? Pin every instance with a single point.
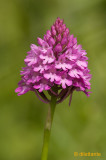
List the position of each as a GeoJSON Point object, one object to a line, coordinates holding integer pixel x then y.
{"type": "Point", "coordinates": [57, 62]}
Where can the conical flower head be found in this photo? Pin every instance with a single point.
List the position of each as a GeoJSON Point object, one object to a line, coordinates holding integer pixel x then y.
{"type": "Point", "coordinates": [57, 62]}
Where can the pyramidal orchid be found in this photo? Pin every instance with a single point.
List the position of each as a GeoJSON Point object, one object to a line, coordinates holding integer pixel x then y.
{"type": "Point", "coordinates": [57, 65]}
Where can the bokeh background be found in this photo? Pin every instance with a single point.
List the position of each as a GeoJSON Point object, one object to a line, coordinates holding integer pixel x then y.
{"type": "Point", "coordinates": [79, 128]}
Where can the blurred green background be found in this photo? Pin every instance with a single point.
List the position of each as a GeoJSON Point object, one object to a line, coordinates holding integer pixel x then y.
{"type": "Point", "coordinates": [79, 128]}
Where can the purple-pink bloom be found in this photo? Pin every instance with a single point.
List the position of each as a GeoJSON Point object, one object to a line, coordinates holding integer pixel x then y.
{"type": "Point", "coordinates": [58, 61]}
{"type": "Point", "coordinates": [52, 74]}
{"type": "Point", "coordinates": [65, 80]}
{"type": "Point", "coordinates": [63, 63]}
{"type": "Point", "coordinates": [43, 85]}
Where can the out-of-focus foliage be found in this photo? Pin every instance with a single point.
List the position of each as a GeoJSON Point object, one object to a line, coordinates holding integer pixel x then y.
{"type": "Point", "coordinates": [80, 128]}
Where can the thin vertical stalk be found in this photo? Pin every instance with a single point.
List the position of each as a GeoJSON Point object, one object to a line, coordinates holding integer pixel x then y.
{"type": "Point", "coordinates": [48, 125]}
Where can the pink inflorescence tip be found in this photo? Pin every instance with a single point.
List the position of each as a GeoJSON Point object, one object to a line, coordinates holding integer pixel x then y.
{"type": "Point", "coordinates": [58, 62]}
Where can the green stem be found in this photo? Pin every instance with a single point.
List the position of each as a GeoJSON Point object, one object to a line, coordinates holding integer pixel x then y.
{"type": "Point", "coordinates": [47, 129]}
